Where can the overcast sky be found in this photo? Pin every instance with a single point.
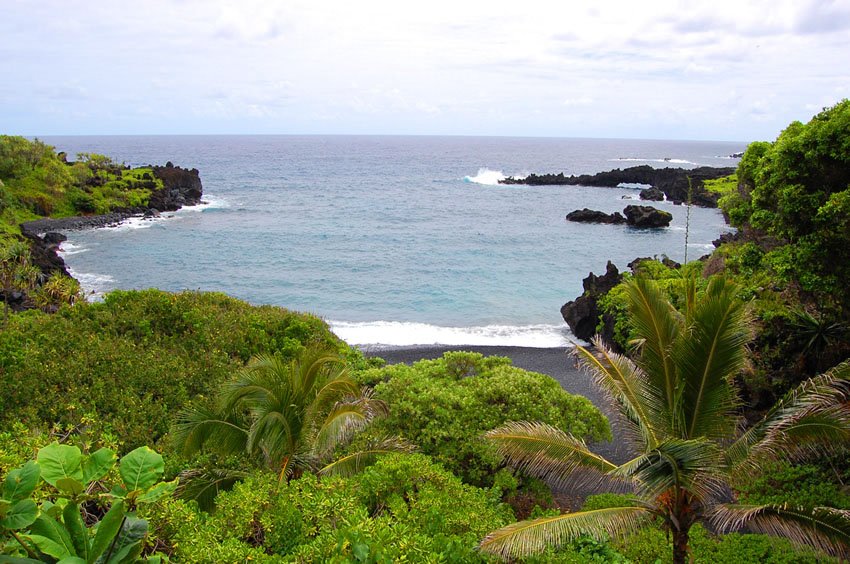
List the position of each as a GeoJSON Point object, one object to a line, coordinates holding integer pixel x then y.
{"type": "Point", "coordinates": [722, 70]}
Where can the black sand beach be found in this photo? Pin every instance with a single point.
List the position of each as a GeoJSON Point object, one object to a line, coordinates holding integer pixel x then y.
{"type": "Point", "coordinates": [558, 363]}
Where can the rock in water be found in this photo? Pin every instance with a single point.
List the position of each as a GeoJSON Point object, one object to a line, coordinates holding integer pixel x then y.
{"type": "Point", "coordinates": [647, 216]}
{"type": "Point", "coordinates": [594, 216]}
{"type": "Point", "coordinates": [582, 314]}
{"type": "Point", "coordinates": [653, 194]}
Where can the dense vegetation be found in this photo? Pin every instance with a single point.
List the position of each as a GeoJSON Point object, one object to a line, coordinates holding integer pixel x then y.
{"type": "Point", "coordinates": [680, 407]}
{"type": "Point", "coordinates": [132, 360]}
{"type": "Point", "coordinates": [35, 181]}
{"type": "Point", "coordinates": [789, 201]}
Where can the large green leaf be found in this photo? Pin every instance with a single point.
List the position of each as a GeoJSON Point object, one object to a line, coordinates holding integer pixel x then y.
{"type": "Point", "coordinates": [51, 537]}
{"type": "Point", "coordinates": [141, 468]}
{"type": "Point", "coordinates": [22, 514]}
{"type": "Point", "coordinates": [21, 482]}
{"type": "Point", "coordinates": [158, 491]}
{"type": "Point", "coordinates": [108, 527]}
{"type": "Point", "coordinates": [128, 546]}
{"type": "Point", "coordinates": [97, 464]}
{"type": "Point", "coordinates": [70, 486]}
{"type": "Point", "coordinates": [77, 530]}
{"type": "Point", "coordinates": [60, 461]}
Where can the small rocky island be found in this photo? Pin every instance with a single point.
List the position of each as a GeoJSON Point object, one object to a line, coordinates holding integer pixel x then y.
{"type": "Point", "coordinates": [635, 216]}
{"type": "Point", "coordinates": [672, 183]}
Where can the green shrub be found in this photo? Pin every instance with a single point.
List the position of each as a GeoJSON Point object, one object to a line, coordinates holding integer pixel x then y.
{"type": "Point", "coordinates": [445, 405]}
{"type": "Point", "coordinates": [797, 484]}
{"type": "Point", "coordinates": [403, 508]}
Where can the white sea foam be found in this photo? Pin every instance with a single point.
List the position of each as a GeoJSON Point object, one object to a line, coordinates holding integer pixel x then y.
{"type": "Point", "coordinates": [67, 249]}
{"type": "Point", "coordinates": [402, 334]}
{"type": "Point", "coordinates": [93, 285]}
{"type": "Point", "coordinates": [486, 176]}
{"type": "Point", "coordinates": [664, 160]}
{"type": "Point", "coordinates": [209, 202]}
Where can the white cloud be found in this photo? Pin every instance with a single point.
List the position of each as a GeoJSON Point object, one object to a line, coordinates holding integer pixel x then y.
{"type": "Point", "coordinates": [651, 69]}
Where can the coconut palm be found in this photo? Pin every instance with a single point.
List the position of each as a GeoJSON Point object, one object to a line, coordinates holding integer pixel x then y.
{"type": "Point", "coordinates": [681, 410]}
{"type": "Point", "coordinates": [286, 415]}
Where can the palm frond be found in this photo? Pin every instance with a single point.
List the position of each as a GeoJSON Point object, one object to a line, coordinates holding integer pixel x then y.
{"type": "Point", "coordinates": [693, 465]}
{"type": "Point", "coordinates": [813, 417]}
{"type": "Point", "coordinates": [196, 426]}
{"type": "Point", "coordinates": [526, 538]}
{"type": "Point", "coordinates": [628, 387]}
{"type": "Point", "coordinates": [355, 462]}
{"type": "Point", "coordinates": [331, 392]}
{"type": "Point", "coordinates": [824, 528]}
{"type": "Point", "coordinates": [345, 419]}
{"type": "Point", "coordinates": [657, 326]}
{"type": "Point", "coordinates": [203, 485]}
{"type": "Point", "coordinates": [708, 355]}
{"type": "Point", "coordinates": [274, 434]}
{"type": "Point", "coordinates": [550, 454]}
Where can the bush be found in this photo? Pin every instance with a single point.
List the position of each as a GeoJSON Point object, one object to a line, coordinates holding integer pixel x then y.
{"type": "Point", "coordinates": [403, 508]}
{"type": "Point", "coordinates": [445, 405]}
{"type": "Point", "coordinates": [797, 484]}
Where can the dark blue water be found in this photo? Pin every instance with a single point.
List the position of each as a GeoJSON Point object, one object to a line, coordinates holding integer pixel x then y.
{"type": "Point", "coordinates": [396, 240]}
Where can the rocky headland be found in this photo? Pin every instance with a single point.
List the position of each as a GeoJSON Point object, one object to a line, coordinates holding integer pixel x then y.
{"type": "Point", "coordinates": [671, 182]}
{"type": "Point", "coordinates": [180, 187]}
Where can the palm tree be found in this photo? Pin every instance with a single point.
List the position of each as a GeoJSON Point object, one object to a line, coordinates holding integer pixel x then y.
{"type": "Point", "coordinates": [285, 415]}
{"type": "Point", "coordinates": [682, 412]}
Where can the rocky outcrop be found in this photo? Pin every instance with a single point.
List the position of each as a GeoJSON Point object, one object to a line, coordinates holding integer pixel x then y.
{"type": "Point", "coordinates": [647, 216]}
{"type": "Point", "coordinates": [582, 314]}
{"type": "Point", "coordinates": [181, 187]}
{"type": "Point", "coordinates": [673, 182]}
{"type": "Point", "coordinates": [652, 194]}
{"type": "Point", "coordinates": [594, 216]}
{"type": "Point", "coordinates": [44, 256]}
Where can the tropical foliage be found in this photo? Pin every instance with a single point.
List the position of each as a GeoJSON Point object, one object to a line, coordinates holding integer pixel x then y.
{"type": "Point", "coordinates": [679, 402]}
{"type": "Point", "coordinates": [73, 492]}
{"type": "Point", "coordinates": [404, 508]}
{"type": "Point", "coordinates": [134, 359]}
{"type": "Point", "coordinates": [444, 405]}
{"type": "Point", "coordinates": [287, 415]}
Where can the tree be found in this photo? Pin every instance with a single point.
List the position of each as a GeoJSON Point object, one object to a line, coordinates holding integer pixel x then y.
{"type": "Point", "coordinates": [681, 409]}
{"type": "Point", "coordinates": [286, 415]}
{"type": "Point", "coordinates": [795, 194]}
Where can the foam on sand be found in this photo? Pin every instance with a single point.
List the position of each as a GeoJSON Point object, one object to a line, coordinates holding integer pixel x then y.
{"type": "Point", "coordinates": [405, 334]}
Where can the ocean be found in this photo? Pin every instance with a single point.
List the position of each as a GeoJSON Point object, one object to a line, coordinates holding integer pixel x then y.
{"type": "Point", "coordinates": [395, 241]}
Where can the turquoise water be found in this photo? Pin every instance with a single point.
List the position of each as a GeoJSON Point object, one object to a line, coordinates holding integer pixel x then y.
{"type": "Point", "coordinates": [393, 240]}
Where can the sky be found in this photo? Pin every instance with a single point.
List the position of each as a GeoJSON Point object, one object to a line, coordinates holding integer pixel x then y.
{"type": "Point", "coordinates": [721, 70]}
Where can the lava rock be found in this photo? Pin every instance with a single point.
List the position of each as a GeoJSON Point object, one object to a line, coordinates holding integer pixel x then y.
{"type": "Point", "coordinates": [652, 194]}
{"type": "Point", "coordinates": [54, 238]}
{"type": "Point", "coordinates": [582, 314]}
{"type": "Point", "coordinates": [594, 216]}
{"type": "Point", "coordinates": [647, 217]}
{"type": "Point", "coordinates": [673, 182]}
